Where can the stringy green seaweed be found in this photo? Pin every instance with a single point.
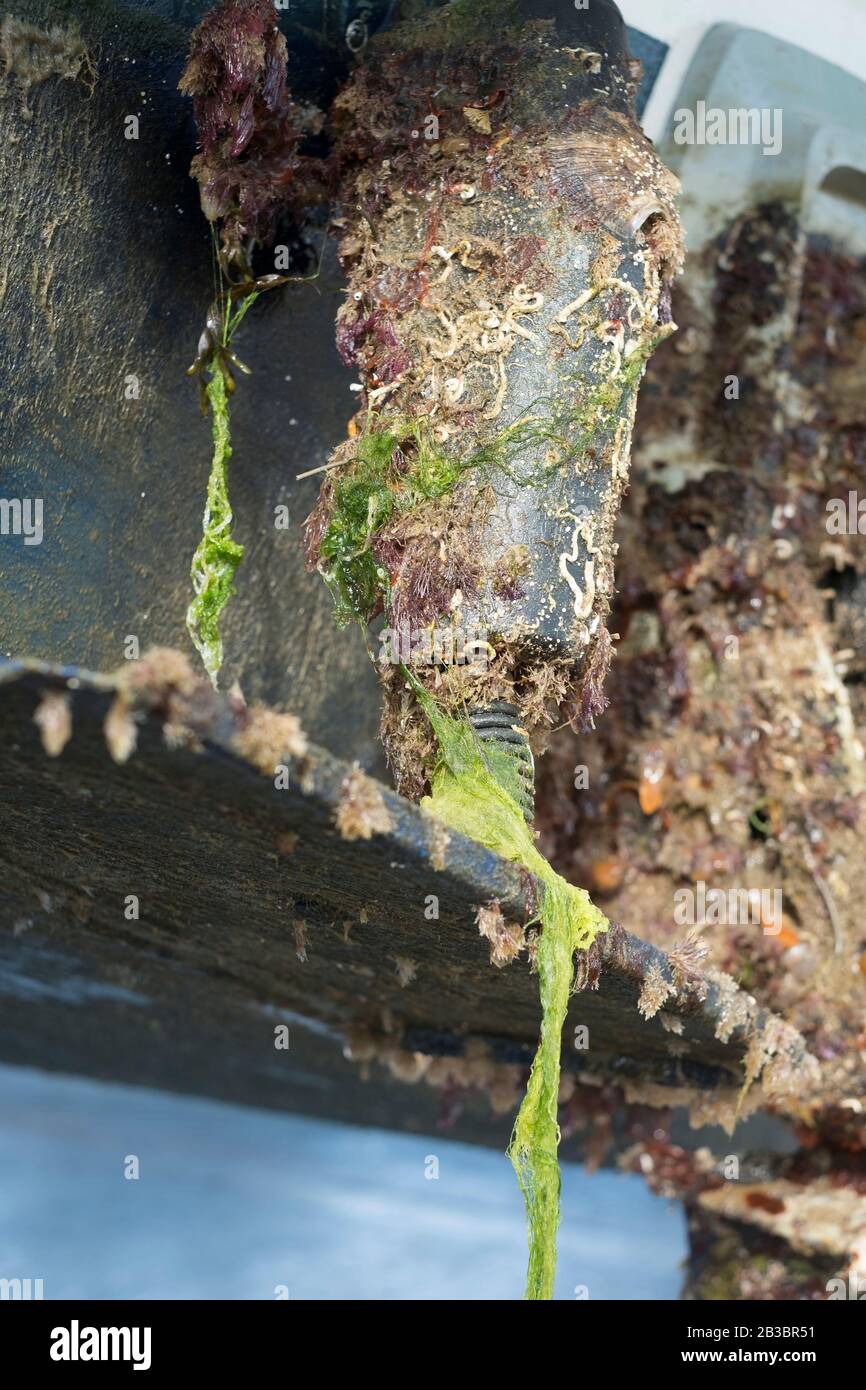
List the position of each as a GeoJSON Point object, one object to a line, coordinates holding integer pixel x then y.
{"type": "Point", "coordinates": [371, 491]}
{"type": "Point", "coordinates": [474, 786]}
{"type": "Point", "coordinates": [470, 794]}
{"type": "Point", "coordinates": [217, 555]}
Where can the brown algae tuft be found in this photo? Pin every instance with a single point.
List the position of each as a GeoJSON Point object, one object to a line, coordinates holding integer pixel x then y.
{"type": "Point", "coordinates": [32, 55]}
{"type": "Point", "coordinates": [362, 812]}
{"type": "Point", "coordinates": [53, 718]}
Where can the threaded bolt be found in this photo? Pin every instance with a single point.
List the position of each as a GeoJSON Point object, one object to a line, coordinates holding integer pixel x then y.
{"type": "Point", "coordinates": [499, 723]}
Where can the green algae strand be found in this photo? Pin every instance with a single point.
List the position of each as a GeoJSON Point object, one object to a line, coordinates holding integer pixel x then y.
{"type": "Point", "coordinates": [470, 795]}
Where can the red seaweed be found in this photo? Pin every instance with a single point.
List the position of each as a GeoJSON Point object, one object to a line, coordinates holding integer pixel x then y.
{"type": "Point", "coordinates": [248, 167]}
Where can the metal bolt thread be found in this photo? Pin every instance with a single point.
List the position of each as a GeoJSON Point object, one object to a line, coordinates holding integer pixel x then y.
{"type": "Point", "coordinates": [499, 723]}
